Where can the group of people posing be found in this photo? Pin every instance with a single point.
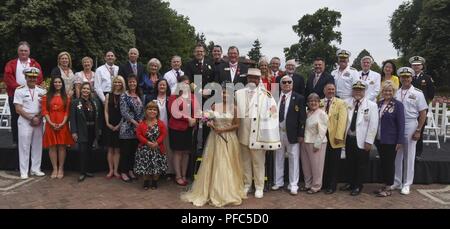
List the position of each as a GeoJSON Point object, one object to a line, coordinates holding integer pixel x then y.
{"type": "Point", "coordinates": [150, 123]}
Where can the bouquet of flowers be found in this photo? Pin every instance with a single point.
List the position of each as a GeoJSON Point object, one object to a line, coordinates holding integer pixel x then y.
{"type": "Point", "coordinates": [208, 116]}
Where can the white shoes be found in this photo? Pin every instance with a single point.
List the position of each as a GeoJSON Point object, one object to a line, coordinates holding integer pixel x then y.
{"type": "Point", "coordinates": [405, 190]}
{"type": "Point", "coordinates": [23, 176]}
{"type": "Point", "coordinates": [259, 194]}
{"type": "Point", "coordinates": [396, 187]}
{"type": "Point", "coordinates": [246, 189]}
{"type": "Point", "coordinates": [276, 187]}
{"type": "Point", "coordinates": [37, 173]}
{"type": "Point", "coordinates": [294, 192]}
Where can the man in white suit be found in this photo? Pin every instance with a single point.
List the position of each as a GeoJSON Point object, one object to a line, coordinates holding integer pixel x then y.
{"type": "Point", "coordinates": [371, 78]}
{"type": "Point", "coordinates": [258, 130]}
{"type": "Point", "coordinates": [361, 132]}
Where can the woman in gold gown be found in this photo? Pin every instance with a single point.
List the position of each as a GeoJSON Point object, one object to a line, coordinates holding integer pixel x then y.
{"type": "Point", "coordinates": [219, 180]}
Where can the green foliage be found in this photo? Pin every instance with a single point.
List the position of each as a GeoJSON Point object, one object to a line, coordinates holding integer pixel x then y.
{"type": "Point", "coordinates": [255, 53]}
{"type": "Point", "coordinates": [423, 28]}
{"type": "Point", "coordinates": [81, 27]}
{"type": "Point", "coordinates": [90, 28]}
{"type": "Point", "coordinates": [317, 33]}
{"type": "Point", "coordinates": [357, 62]}
{"type": "Point", "coordinates": [161, 32]}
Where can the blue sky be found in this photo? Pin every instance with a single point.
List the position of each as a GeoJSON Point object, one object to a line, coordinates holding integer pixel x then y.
{"type": "Point", "coordinates": [364, 24]}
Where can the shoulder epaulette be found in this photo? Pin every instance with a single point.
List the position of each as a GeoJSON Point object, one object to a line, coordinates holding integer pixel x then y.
{"type": "Point", "coordinates": [22, 86]}
{"type": "Point", "coordinates": [417, 89]}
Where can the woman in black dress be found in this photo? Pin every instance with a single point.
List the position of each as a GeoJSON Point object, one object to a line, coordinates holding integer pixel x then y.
{"type": "Point", "coordinates": [113, 120]}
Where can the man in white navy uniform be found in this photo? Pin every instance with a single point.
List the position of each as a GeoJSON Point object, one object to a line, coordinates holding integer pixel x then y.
{"type": "Point", "coordinates": [371, 78]}
{"type": "Point", "coordinates": [258, 131]}
{"type": "Point", "coordinates": [344, 76]}
{"type": "Point", "coordinates": [416, 107]}
{"type": "Point", "coordinates": [27, 101]}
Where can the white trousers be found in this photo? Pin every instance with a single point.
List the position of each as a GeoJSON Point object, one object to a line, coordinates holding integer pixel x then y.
{"type": "Point", "coordinates": [30, 138]}
{"type": "Point", "coordinates": [253, 162]}
{"type": "Point", "coordinates": [404, 161]}
{"type": "Point", "coordinates": [293, 151]}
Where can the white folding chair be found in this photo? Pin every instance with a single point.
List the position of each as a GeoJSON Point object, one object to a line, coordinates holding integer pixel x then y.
{"type": "Point", "coordinates": [5, 114]}
{"type": "Point", "coordinates": [431, 130]}
{"type": "Point", "coordinates": [446, 126]}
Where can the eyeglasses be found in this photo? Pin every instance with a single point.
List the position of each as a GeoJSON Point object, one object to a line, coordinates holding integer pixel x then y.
{"type": "Point", "coordinates": [286, 82]}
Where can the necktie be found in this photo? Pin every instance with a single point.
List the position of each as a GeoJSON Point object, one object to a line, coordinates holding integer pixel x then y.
{"type": "Point", "coordinates": [355, 115]}
{"type": "Point", "coordinates": [316, 79]}
{"type": "Point", "coordinates": [200, 67]}
{"type": "Point", "coordinates": [282, 107]}
{"type": "Point", "coordinates": [135, 69]}
{"type": "Point", "coordinates": [328, 106]}
{"type": "Point", "coordinates": [111, 71]}
{"type": "Point", "coordinates": [178, 74]}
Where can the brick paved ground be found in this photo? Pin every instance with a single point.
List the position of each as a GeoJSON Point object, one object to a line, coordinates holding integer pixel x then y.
{"type": "Point", "coordinates": [101, 193]}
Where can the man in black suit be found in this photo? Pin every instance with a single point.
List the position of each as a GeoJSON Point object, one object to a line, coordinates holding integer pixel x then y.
{"type": "Point", "coordinates": [318, 79]}
{"type": "Point", "coordinates": [298, 81]}
{"type": "Point", "coordinates": [292, 117]}
{"type": "Point", "coordinates": [132, 66]}
{"type": "Point", "coordinates": [233, 71]}
{"type": "Point", "coordinates": [199, 66]}
{"type": "Point", "coordinates": [424, 82]}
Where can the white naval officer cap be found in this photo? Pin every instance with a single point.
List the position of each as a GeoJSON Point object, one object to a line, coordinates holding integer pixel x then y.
{"type": "Point", "coordinates": [416, 60]}
{"type": "Point", "coordinates": [405, 71]}
{"type": "Point", "coordinates": [342, 53]}
{"type": "Point", "coordinates": [31, 72]}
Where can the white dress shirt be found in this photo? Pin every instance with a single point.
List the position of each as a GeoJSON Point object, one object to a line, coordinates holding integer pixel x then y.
{"type": "Point", "coordinates": [373, 82]}
{"type": "Point", "coordinates": [344, 81]}
{"type": "Point", "coordinates": [171, 77]}
{"type": "Point", "coordinates": [103, 79]}
{"type": "Point", "coordinates": [20, 77]}
{"type": "Point", "coordinates": [287, 102]}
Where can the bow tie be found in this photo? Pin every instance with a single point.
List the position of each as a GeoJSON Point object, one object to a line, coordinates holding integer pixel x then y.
{"type": "Point", "coordinates": [365, 74]}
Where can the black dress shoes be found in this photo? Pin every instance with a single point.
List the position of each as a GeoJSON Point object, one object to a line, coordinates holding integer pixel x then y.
{"type": "Point", "coordinates": [89, 174]}
{"type": "Point", "coordinates": [154, 185]}
{"type": "Point", "coordinates": [330, 191]}
{"type": "Point", "coordinates": [355, 192]}
{"type": "Point", "coordinates": [81, 178]}
{"type": "Point", "coordinates": [346, 187]}
{"type": "Point", "coordinates": [146, 184]}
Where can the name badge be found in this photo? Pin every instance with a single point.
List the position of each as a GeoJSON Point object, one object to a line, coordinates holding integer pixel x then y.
{"type": "Point", "coordinates": [243, 75]}
{"type": "Point", "coordinates": [227, 69]}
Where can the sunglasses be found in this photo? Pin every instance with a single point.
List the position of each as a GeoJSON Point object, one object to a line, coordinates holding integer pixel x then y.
{"type": "Point", "coordinates": [286, 82]}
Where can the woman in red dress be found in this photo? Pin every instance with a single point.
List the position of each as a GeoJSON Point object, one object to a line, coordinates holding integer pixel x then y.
{"type": "Point", "coordinates": [55, 109]}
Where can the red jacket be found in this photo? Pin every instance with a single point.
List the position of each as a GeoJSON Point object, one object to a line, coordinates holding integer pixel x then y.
{"type": "Point", "coordinates": [9, 76]}
{"type": "Point", "coordinates": [142, 129]}
{"type": "Point", "coordinates": [179, 115]}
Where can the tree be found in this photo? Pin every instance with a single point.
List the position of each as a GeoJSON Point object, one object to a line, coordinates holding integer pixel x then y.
{"type": "Point", "coordinates": [317, 33]}
{"type": "Point", "coordinates": [255, 53]}
{"type": "Point", "coordinates": [423, 28]}
{"type": "Point", "coordinates": [161, 32]}
{"type": "Point", "coordinates": [83, 28]}
{"type": "Point", "coordinates": [357, 62]}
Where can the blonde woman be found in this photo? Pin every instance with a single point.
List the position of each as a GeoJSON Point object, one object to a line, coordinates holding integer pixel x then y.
{"type": "Point", "coordinates": [64, 69]}
{"type": "Point", "coordinates": [113, 119]}
{"type": "Point", "coordinates": [266, 75]}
